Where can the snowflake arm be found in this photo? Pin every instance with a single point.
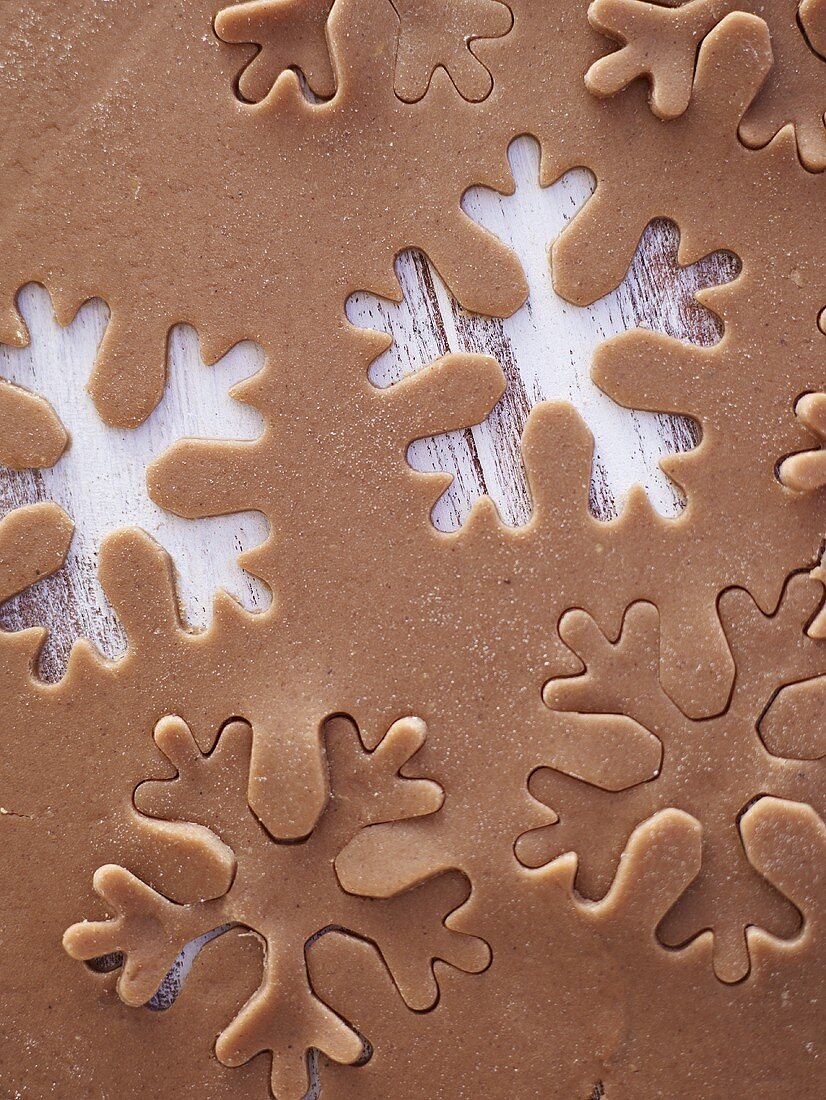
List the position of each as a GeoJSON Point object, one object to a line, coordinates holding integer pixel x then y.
{"type": "Point", "coordinates": [289, 33]}
{"type": "Point", "coordinates": [609, 751]}
{"type": "Point", "coordinates": [657, 43]}
{"type": "Point", "coordinates": [207, 788]}
{"type": "Point", "coordinates": [752, 635]}
{"type": "Point", "coordinates": [699, 759]}
{"type": "Point", "coordinates": [793, 724]}
{"type": "Point", "coordinates": [434, 35]}
{"type": "Point", "coordinates": [284, 1018]}
{"type": "Point", "coordinates": [410, 957]}
{"type": "Point", "coordinates": [128, 379]}
{"type": "Point", "coordinates": [375, 780]}
{"type": "Point", "coordinates": [620, 677]}
{"type": "Point", "coordinates": [659, 862]}
{"type": "Point", "coordinates": [729, 896]}
{"type": "Point", "coordinates": [784, 840]}
{"type": "Point", "coordinates": [139, 580]}
{"type": "Point", "coordinates": [584, 812]}
{"type": "Point", "coordinates": [286, 893]}
{"type": "Point", "coordinates": [34, 542]}
{"type": "Point", "coordinates": [147, 928]}
{"type": "Point", "coordinates": [31, 434]}
{"type": "Point", "coordinates": [777, 835]}
{"type": "Point", "coordinates": [812, 15]}
{"type": "Point", "coordinates": [806, 472]}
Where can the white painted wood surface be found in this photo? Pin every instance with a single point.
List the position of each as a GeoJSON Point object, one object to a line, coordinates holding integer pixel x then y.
{"type": "Point", "coordinates": [544, 349]}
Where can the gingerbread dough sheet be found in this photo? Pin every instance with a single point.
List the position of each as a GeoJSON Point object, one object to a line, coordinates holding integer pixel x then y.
{"type": "Point", "coordinates": [527, 811]}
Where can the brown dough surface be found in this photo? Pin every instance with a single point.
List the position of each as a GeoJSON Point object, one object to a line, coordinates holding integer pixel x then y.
{"type": "Point", "coordinates": [132, 171]}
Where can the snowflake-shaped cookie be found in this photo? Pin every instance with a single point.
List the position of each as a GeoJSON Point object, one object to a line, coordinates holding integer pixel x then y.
{"type": "Point", "coordinates": [616, 730]}
{"type": "Point", "coordinates": [34, 542]}
{"type": "Point", "coordinates": [231, 871]}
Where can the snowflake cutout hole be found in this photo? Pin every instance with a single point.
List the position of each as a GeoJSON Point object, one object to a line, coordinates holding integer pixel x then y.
{"type": "Point", "coordinates": [545, 350]}
{"type": "Point", "coordinates": [100, 479]}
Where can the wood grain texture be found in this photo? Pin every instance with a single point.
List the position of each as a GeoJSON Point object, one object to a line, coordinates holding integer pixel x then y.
{"type": "Point", "coordinates": [544, 350]}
